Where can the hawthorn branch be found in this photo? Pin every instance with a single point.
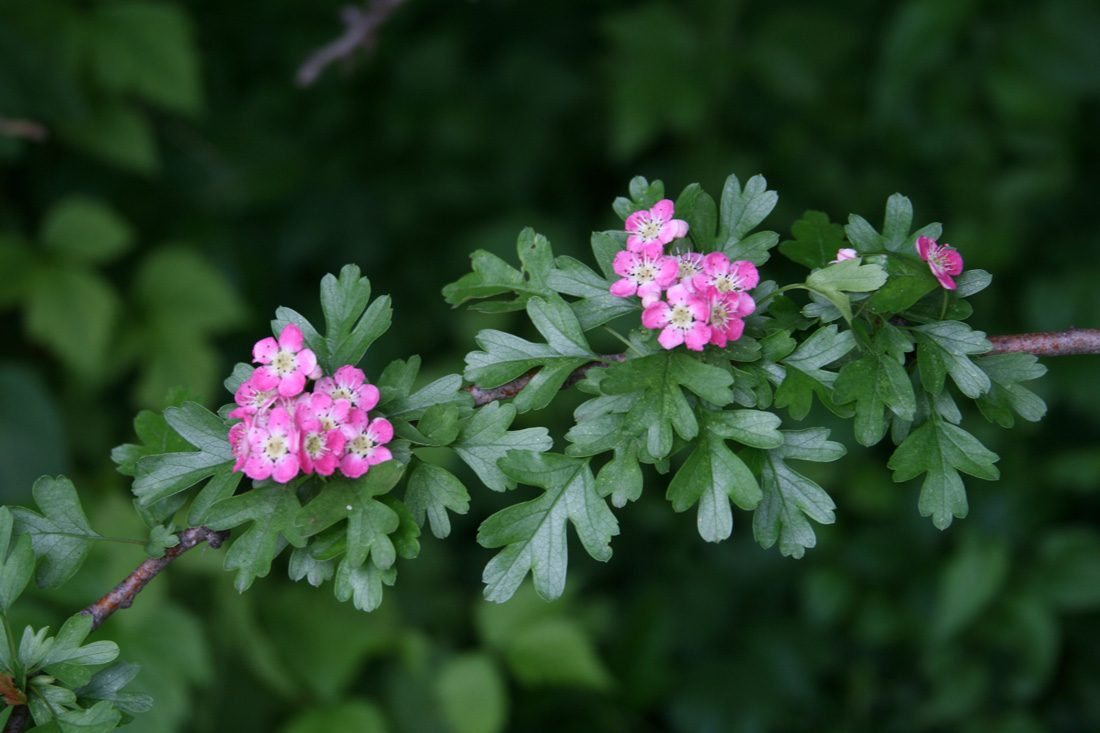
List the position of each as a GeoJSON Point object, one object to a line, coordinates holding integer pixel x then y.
{"type": "Point", "coordinates": [1051, 343]}
{"type": "Point", "coordinates": [123, 594]}
{"type": "Point", "coordinates": [360, 31]}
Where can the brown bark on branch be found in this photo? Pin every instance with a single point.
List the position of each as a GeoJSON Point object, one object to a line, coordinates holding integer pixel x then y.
{"type": "Point", "coordinates": [1051, 343]}
{"type": "Point", "coordinates": [123, 594]}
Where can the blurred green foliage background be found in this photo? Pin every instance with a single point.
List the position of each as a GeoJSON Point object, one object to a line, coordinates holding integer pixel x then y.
{"type": "Point", "coordinates": [187, 187]}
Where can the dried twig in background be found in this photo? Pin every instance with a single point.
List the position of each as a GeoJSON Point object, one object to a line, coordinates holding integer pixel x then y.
{"type": "Point", "coordinates": [360, 29]}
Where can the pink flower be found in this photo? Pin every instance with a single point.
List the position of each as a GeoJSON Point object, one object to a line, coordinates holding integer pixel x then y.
{"type": "Point", "coordinates": [238, 442]}
{"type": "Point", "coordinates": [364, 441]}
{"type": "Point", "coordinates": [286, 365]}
{"type": "Point", "coordinates": [654, 226]}
{"type": "Point", "coordinates": [332, 413]}
{"type": "Point", "coordinates": [724, 314]}
{"type": "Point", "coordinates": [251, 400]}
{"type": "Point", "coordinates": [348, 384]}
{"type": "Point", "coordinates": [322, 443]}
{"type": "Point", "coordinates": [943, 259]}
{"type": "Point", "coordinates": [683, 319]}
{"type": "Point", "coordinates": [723, 275]}
{"type": "Point", "coordinates": [690, 264]}
{"type": "Point", "coordinates": [274, 448]}
{"type": "Point", "coordinates": [844, 253]}
{"type": "Point", "coordinates": [645, 273]}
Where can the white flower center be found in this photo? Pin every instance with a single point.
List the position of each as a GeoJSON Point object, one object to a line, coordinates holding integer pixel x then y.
{"type": "Point", "coordinates": [284, 362]}
{"type": "Point", "coordinates": [314, 445]}
{"type": "Point", "coordinates": [681, 317]}
{"type": "Point", "coordinates": [645, 272]}
{"type": "Point", "coordinates": [276, 447]}
{"type": "Point", "coordinates": [361, 445]}
{"type": "Point", "coordinates": [342, 393]}
{"type": "Point", "coordinates": [651, 229]}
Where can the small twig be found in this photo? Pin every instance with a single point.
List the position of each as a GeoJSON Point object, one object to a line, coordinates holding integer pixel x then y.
{"type": "Point", "coordinates": [17, 721]}
{"type": "Point", "coordinates": [26, 129]}
{"type": "Point", "coordinates": [1051, 343]}
{"type": "Point", "coordinates": [123, 594]}
{"type": "Point", "coordinates": [360, 28]}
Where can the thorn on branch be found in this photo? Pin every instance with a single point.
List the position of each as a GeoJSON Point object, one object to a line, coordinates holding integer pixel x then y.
{"type": "Point", "coordinates": [360, 32]}
{"type": "Point", "coordinates": [123, 594]}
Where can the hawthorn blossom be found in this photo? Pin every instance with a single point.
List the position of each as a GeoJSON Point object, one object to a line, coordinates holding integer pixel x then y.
{"type": "Point", "coordinates": [363, 446]}
{"type": "Point", "coordinates": [654, 226]}
{"type": "Point", "coordinates": [332, 413]}
{"type": "Point", "coordinates": [348, 383]}
{"type": "Point", "coordinates": [645, 273]}
{"type": "Point", "coordinates": [723, 275]}
{"type": "Point", "coordinates": [682, 320]}
{"type": "Point", "coordinates": [844, 253]}
{"type": "Point", "coordinates": [725, 311]}
{"type": "Point", "coordinates": [251, 400]}
{"type": "Point", "coordinates": [274, 448]}
{"type": "Point", "coordinates": [943, 260]}
{"type": "Point", "coordinates": [690, 264]}
{"type": "Point", "coordinates": [285, 364]}
{"type": "Point", "coordinates": [238, 442]}
{"type": "Point", "coordinates": [322, 443]}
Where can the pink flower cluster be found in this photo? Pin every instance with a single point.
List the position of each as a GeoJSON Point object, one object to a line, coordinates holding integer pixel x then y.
{"type": "Point", "coordinates": [694, 299]}
{"type": "Point", "coordinates": [285, 430]}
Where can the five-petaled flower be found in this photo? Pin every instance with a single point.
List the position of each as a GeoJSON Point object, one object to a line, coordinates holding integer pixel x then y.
{"type": "Point", "coordinates": [682, 320]}
{"type": "Point", "coordinates": [943, 259]}
{"type": "Point", "coordinates": [285, 364]}
{"type": "Point", "coordinates": [654, 226]}
{"type": "Point", "coordinates": [725, 314]}
{"type": "Point", "coordinates": [645, 273]}
{"type": "Point", "coordinates": [363, 447]}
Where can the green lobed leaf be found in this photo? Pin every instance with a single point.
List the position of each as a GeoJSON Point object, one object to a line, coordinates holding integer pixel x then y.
{"type": "Point", "coordinates": [850, 276]}
{"type": "Point", "coordinates": [61, 535]}
{"type": "Point", "coordinates": [910, 279]}
{"type": "Point", "coordinates": [99, 718]}
{"type": "Point", "coordinates": [16, 566]}
{"type": "Point", "coordinates": [605, 245]}
{"type": "Point", "coordinates": [492, 276]}
{"type": "Point", "coordinates": [806, 374]}
{"type": "Point", "coordinates": [272, 510]}
{"type": "Point", "coordinates": [1005, 396]}
{"type": "Point", "coordinates": [69, 645]}
{"type": "Point", "coordinates": [816, 240]}
{"type": "Point", "coordinates": [533, 533]}
{"type": "Point", "coordinates": [741, 211]}
{"type": "Point", "coordinates": [876, 382]}
{"type": "Point", "coordinates": [662, 406]}
{"type": "Point", "coordinates": [697, 208]}
{"type": "Point", "coordinates": [713, 475]}
{"type": "Point", "coordinates": [433, 490]}
{"type": "Point", "coordinates": [362, 585]}
{"type": "Point", "coordinates": [944, 348]}
{"type": "Point", "coordinates": [896, 223]}
{"type": "Point", "coordinates": [790, 499]}
{"type": "Point", "coordinates": [941, 450]}
{"type": "Point", "coordinates": [485, 439]}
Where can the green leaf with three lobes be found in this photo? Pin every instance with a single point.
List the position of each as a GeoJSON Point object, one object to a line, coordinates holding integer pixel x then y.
{"type": "Point", "coordinates": [370, 522]}
{"type": "Point", "coordinates": [350, 326]}
{"type": "Point", "coordinates": [485, 439]}
{"type": "Point", "coordinates": [162, 475]}
{"type": "Point", "coordinates": [399, 402]}
{"type": "Point", "coordinates": [832, 282]}
{"type": "Point", "coordinates": [805, 374]}
{"type": "Point", "coordinates": [790, 499]}
{"type": "Point", "coordinates": [876, 382]}
{"type": "Point", "coordinates": [942, 450]}
{"type": "Point", "coordinates": [61, 535]}
{"type": "Point", "coordinates": [533, 533]}
{"type": "Point", "coordinates": [506, 357]}
{"type": "Point", "coordinates": [272, 509]}
{"type": "Point", "coordinates": [433, 490]}
{"type": "Point", "coordinates": [741, 211]}
{"type": "Point", "coordinates": [816, 240]}
{"type": "Point", "coordinates": [663, 406]}
{"type": "Point", "coordinates": [493, 276]}
{"type": "Point", "coordinates": [697, 208]}
{"type": "Point", "coordinates": [944, 348]}
{"type": "Point", "coordinates": [713, 474]}
{"type": "Point", "coordinates": [1005, 372]}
